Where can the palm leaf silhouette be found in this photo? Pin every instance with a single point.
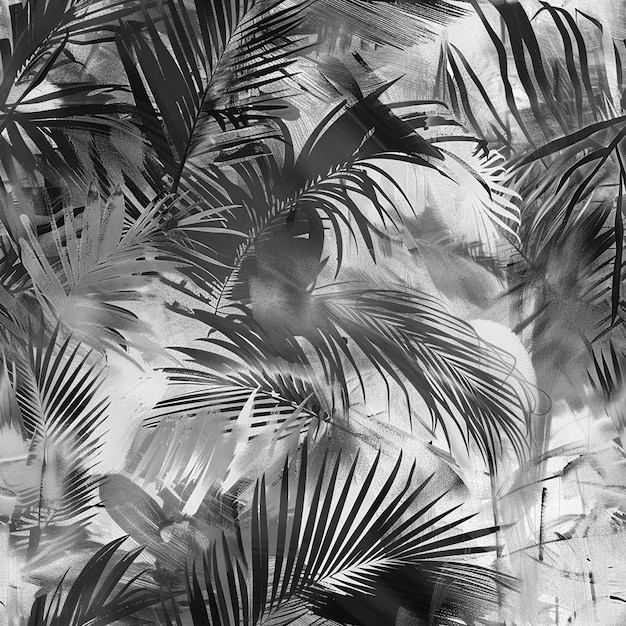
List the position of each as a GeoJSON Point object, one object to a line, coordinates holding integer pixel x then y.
{"type": "Point", "coordinates": [570, 173]}
{"type": "Point", "coordinates": [409, 339]}
{"type": "Point", "coordinates": [331, 188]}
{"type": "Point", "coordinates": [102, 257]}
{"type": "Point", "coordinates": [37, 117]}
{"type": "Point", "coordinates": [272, 147]}
{"type": "Point", "coordinates": [217, 58]}
{"type": "Point", "coordinates": [95, 597]}
{"type": "Point", "coordinates": [321, 539]}
{"type": "Point", "coordinates": [59, 412]}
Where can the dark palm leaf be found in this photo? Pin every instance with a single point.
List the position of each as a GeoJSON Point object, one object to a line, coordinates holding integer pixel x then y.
{"type": "Point", "coordinates": [57, 391]}
{"type": "Point", "coordinates": [60, 413]}
{"type": "Point", "coordinates": [205, 79]}
{"type": "Point", "coordinates": [97, 597]}
{"type": "Point", "coordinates": [192, 464]}
{"type": "Point", "coordinates": [167, 537]}
{"type": "Point", "coordinates": [574, 164]}
{"type": "Point", "coordinates": [322, 537]}
{"type": "Point", "coordinates": [348, 24]}
{"type": "Point", "coordinates": [35, 115]}
{"type": "Point", "coordinates": [607, 379]}
{"type": "Point", "coordinates": [337, 179]}
{"type": "Point", "coordinates": [409, 339]}
{"type": "Point", "coordinates": [609, 376]}
{"type": "Point", "coordinates": [564, 91]}
{"type": "Point", "coordinates": [280, 401]}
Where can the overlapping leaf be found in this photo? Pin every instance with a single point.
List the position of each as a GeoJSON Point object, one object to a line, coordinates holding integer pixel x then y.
{"type": "Point", "coordinates": [102, 258]}
{"type": "Point", "coordinates": [320, 538]}
{"type": "Point", "coordinates": [409, 339]}
{"type": "Point", "coordinates": [202, 81]}
{"type": "Point", "coordinates": [96, 597]}
{"type": "Point", "coordinates": [61, 414]}
{"type": "Point", "coordinates": [35, 115]}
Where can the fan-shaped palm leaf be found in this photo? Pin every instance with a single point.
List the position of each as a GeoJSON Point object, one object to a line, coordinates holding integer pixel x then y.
{"type": "Point", "coordinates": [322, 536]}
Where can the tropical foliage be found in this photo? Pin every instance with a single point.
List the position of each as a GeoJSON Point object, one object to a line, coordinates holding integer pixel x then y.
{"type": "Point", "coordinates": [311, 312]}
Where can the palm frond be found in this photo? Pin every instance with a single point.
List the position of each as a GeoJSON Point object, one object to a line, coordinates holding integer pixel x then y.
{"type": "Point", "coordinates": [219, 59]}
{"type": "Point", "coordinates": [581, 190]}
{"type": "Point", "coordinates": [321, 536]}
{"type": "Point", "coordinates": [101, 258]}
{"type": "Point", "coordinates": [408, 338]}
{"type": "Point", "coordinates": [36, 115]}
{"type": "Point", "coordinates": [344, 23]}
{"type": "Point", "coordinates": [571, 163]}
{"type": "Point", "coordinates": [96, 597]}
{"type": "Point", "coordinates": [279, 401]}
{"type": "Point", "coordinates": [206, 447]}
{"type": "Point", "coordinates": [57, 392]}
{"type": "Point", "coordinates": [564, 91]}
{"type": "Point", "coordinates": [60, 414]}
{"type": "Point", "coordinates": [338, 185]}
{"type": "Point", "coordinates": [192, 468]}
{"type": "Point", "coordinates": [607, 382]}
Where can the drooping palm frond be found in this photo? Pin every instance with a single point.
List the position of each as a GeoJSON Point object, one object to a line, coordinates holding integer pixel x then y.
{"type": "Point", "coordinates": [204, 451]}
{"type": "Point", "coordinates": [319, 539]}
{"type": "Point", "coordinates": [298, 214]}
{"type": "Point", "coordinates": [97, 596]}
{"type": "Point", "coordinates": [15, 313]}
{"type": "Point", "coordinates": [562, 284]}
{"type": "Point", "coordinates": [571, 168]}
{"type": "Point", "coordinates": [342, 24]}
{"type": "Point", "coordinates": [57, 390]}
{"type": "Point", "coordinates": [336, 186]}
{"type": "Point", "coordinates": [409, 339]}
{"type": "Point", "coordinates": [279, 397]}
{"type": "Point", "coordinates": [294, 231]}
{"type": "Point", "coordinates": [607, 382]}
